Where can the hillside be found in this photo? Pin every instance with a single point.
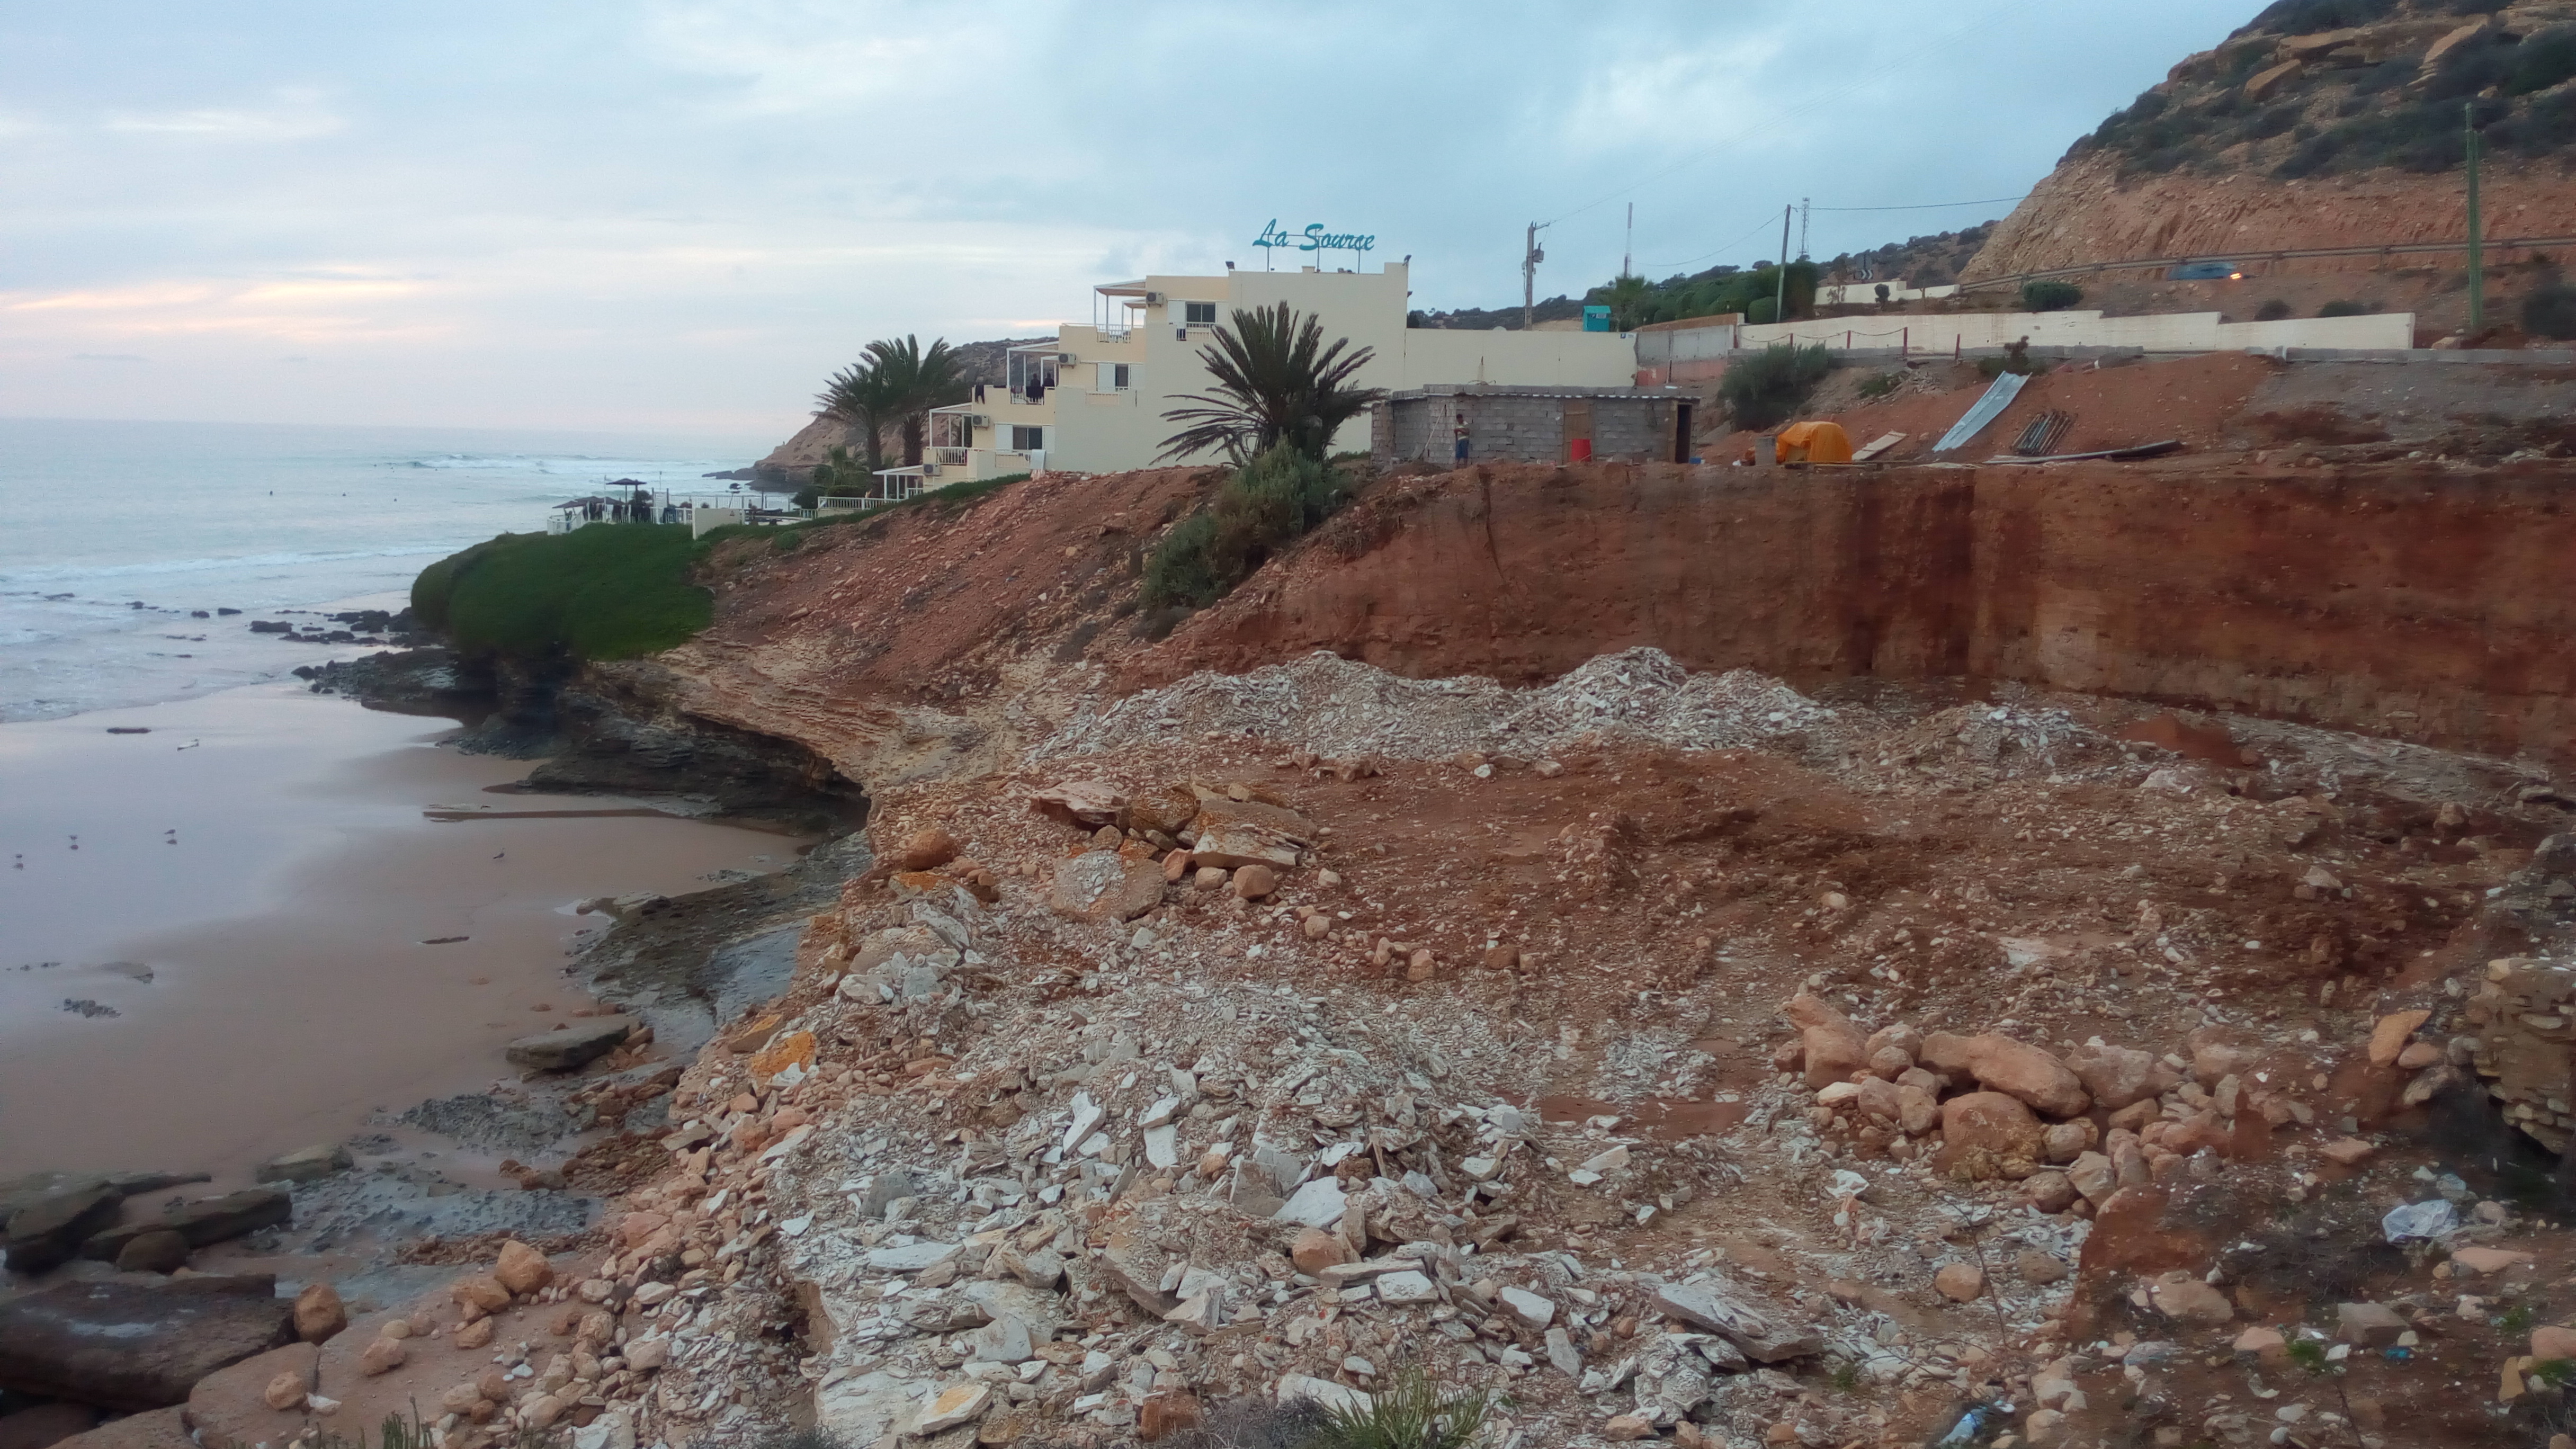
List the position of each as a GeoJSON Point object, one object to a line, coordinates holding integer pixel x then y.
{"type": "Point", "coordinates": [2322, 123]}
{"type": "Point", "coordinates": [791, 463]}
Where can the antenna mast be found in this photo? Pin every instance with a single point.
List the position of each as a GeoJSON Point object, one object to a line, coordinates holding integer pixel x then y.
{"type": "Point", "coordinates": [1629, 250]}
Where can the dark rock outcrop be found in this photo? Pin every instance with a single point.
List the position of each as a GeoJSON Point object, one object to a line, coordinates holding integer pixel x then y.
{"type": "Point", "coordinates": [128, 1347]}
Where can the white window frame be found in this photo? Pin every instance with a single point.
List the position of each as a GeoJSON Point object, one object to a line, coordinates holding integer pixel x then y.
{"type": "Point", "coordinates": [1190, 317]}
{"type": "Point", "coordinates": [1113, 377]}
{"type": "Point", "coordinates": [1027, 438]}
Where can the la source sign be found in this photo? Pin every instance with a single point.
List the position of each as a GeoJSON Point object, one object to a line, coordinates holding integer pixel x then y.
{"type": "Point", "coordinates": [1314, 239]}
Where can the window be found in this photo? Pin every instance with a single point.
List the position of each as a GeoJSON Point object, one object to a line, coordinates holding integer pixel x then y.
{"type": "Point", "coordinates": [1198, 314]}
{"type": "Point", "coordinates": [1113, 377]}
{"type": "Point", "coordinates": [1028, 440]}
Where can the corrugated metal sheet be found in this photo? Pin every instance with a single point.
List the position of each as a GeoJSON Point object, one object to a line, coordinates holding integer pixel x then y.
{"type": "Point", "coordinates": [1988, 408]}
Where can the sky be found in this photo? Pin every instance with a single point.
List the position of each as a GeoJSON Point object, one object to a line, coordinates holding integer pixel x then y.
{"type": "Point", "coordinates": [681, 215]}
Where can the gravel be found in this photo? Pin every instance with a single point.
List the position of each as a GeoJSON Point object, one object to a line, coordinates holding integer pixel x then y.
{"type": "Point", "coordinates": [1335, 706]}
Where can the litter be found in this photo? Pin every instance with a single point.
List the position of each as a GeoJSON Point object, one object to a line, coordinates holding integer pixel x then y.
{"type": "Point", "coordinates": [2434, 1219]}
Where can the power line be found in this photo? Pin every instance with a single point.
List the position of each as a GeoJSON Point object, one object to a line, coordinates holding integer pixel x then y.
{"type": "Point", "coordinates": [1758, 228]}
{"type": "Point", "coordinates": [1928, 206]}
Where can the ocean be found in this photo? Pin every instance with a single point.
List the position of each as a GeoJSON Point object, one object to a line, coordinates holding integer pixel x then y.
{"type": "Point", "coordinates": [123, 540]}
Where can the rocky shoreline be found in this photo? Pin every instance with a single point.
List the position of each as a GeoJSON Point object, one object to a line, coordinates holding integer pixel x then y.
{"type": "Point", "coordinates": [198, 1282]}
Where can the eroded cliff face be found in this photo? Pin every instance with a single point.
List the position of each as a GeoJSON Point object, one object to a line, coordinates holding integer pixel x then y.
{"type": "Point", "coordinates": [2084, 212]}
{"type": "Point", "coordinates": [2404, 599]}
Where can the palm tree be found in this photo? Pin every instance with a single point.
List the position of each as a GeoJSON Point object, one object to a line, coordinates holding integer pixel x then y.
{"type": "Point", "coordinates": [918, 380]}
{"type": "Point", "coordinates": [1276, 382]}
{"type": "Point", "coordinates": [861, 396]}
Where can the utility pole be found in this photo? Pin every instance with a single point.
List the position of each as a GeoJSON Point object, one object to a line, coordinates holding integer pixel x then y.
{"type": "Point", "coordinates": [1806, 211]}
{"type": "Point", "coordinates": [1780, 304]}
{"type": "Point", "coordinates": [1531, 256]}
{"type": "Point", "coordinates": [1628, 251]}
{"type": "Point", "coordinates": [2477, 239]}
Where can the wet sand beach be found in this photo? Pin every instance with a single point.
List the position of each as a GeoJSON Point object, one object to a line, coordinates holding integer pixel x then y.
{"type": "Point", "coordinates": [238, 905]}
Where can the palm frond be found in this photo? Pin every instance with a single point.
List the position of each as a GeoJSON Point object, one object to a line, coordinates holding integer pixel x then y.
{"type": "Point", "coordinates": [1276, 381]}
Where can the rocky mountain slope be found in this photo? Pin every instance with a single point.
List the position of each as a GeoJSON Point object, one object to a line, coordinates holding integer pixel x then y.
{"type": "Point", "coordinates": [2323, 123]}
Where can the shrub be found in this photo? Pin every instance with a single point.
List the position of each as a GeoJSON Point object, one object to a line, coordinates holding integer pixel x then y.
{"type": "Point", "coordinates": [606, 592]}
{"type": "Point", "coordinates": [2342, 308]}
{"type": "Point", "coordinates": [1411, 1413]}
{"type": "Point", "coordinates": [1762, 310]}
{"type": "Point", "coordinates": [2049, 296]}
{"type": "Point", "coordinates": [2542, 61]}
{"type": "Point", "coordinates": [2550, 311]}
{"type": "Point", "coordinates": [2272, 311]}
{"type": "Point", "coordinates": [1881, 385]}
{"type": "Point", "coordinates": [1769, 386]}
{"type": "Point", "coordinates": [1271, 502]}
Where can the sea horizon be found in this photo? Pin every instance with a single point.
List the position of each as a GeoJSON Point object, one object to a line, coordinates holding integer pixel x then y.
{"type": "Point", "coordinates": [132, 537]}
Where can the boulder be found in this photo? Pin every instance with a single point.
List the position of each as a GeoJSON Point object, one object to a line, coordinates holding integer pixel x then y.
{"type": "Point", "coordinates": [2368, 1325]}
{"type": "Point", "coordinates": [577, 1044]}
{"type": "Point", "coordinates": [1252, 882]}
{"type": "Point", "coordinates": [205, 1221]}
{"type": "Point", "coordinates": [48, 1232]}
{"type": "Point", "coordinates": [1989, 1122]}
{"type": "Point", "coordinates": [1236, 833]}
{"type": "Point", "coordinates": [304, 1164]}
{"type": "Point", "coordinates": [522, 1269]}
{"type": "Point", "coordinates": [158, 1429]}
{"type": "Point", "coordinates": [957, 1404]}
{"type": "Point", "coordinates": [1834, 1047]}
{"type": "Point", "coordinates": [1718, 1307]}
{"type": "Point", "coordinates": [926, 850]}
{"type": "Point", "coordinates": [157, 1250]}
{"type": "Point", "coordinates": [258, 1399]}
{"type": "Point", "coordinates": [2389, 1036]}
{"type": "Point", "coordinates": [129, 1346]}
{"type": "Point", "coordinates": [45, 1425]}
{"type": "Point", "coordinates": [1960, 1282]}
{"type": "Point", "coordinates": [2116, 1077]}
{"type": "Point", "coordinates": [1169, 809]}
{"type": "Point", "coordinates": [1315, 1250]}
{"type": "Point", "coordinates": [319, 1313]}
{"type": "Point", "coordinates": [2050, 1192]}
{"type": "Point", "coordinates": [1087, 803]}
{"type": "Point", "coordinates": [2184, 1298]}
{"type": "Point", "coordinates": [1105, 885]}
{"type": "Point", "coordinates": [2000, 1064]}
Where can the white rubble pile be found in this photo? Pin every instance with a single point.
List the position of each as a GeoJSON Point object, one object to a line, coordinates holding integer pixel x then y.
{"type": "Point", "coordinates": [1336, 706]}
{"type": "Point", "coordinates": [1105, 1211]}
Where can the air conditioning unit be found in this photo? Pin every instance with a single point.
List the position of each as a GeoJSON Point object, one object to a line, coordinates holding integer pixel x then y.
{"type": "Point", "coordinates": [1153, 299]}
{"type": "Point", "coordinates": [978, 420]}
{"type": "Point", "coordinates": [1064, 359]}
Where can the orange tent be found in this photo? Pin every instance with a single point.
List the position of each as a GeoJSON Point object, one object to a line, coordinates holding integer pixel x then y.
{"type": "Point", "coordinates": [1815, 443]}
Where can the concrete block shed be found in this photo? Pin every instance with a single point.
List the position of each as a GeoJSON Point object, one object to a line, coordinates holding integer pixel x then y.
{"type": "Point", "coordinates": [1533, 424]}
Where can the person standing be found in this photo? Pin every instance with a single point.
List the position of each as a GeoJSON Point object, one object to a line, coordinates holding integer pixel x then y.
{"type": "Point", "coordinates": [1459, 447]}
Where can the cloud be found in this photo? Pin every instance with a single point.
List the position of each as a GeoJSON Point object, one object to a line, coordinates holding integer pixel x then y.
{"type": "Point", "coordinates": [297, 115]}
{"type": "Point", "coordinates": [109, 357]}
{"type": "Point", "coordinates": [788, 57]}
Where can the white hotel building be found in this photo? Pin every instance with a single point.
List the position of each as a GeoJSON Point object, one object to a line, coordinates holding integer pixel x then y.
{"type": "Point", "coordinates": [1093, 400]}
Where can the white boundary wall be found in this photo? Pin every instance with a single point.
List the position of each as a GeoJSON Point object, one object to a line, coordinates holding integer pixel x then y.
{"type": "Point", "coordinates": [2161, 332]}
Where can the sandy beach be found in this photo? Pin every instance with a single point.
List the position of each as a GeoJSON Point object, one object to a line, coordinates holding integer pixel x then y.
{"type": "Point", "coordinates": [215, 937]}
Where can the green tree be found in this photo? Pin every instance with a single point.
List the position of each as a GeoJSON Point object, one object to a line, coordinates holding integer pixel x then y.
{"type": "Point", "coordinates": [1276, 381]}
{"type": "Point", "coordinates": [862, 396]}
{"type": "Point", "coordinates": [2050, 296]}
{"type": "Point", "coordinates": [917, 379]}
{"type": "Point", "coordinates": [1629, 299]}
{"type": "Point", "coordinates": [1770, 386]}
